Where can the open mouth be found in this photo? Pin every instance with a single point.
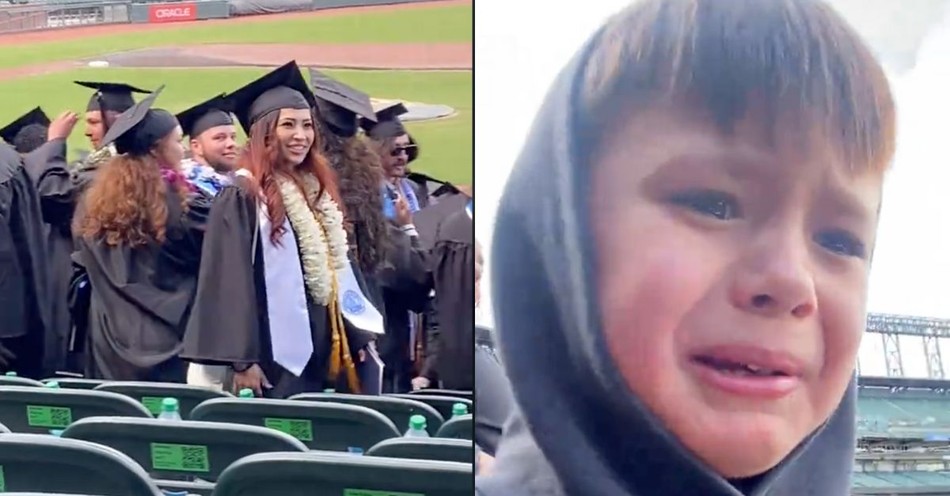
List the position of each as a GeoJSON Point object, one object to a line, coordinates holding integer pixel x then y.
{"type": "Point", "coordinates": [737, 368]}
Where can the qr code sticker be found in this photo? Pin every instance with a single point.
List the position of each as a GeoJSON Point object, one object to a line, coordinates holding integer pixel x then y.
{"type": "Point", "coordinates": [194, 458]}
{"type": "Point", "coordinates": [301, 429]}
{"type": "Point", "coordinates": [61, 417]}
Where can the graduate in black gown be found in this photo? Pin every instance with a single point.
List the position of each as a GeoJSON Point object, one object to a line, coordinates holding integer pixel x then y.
{"type": "Point", "coordinates": [451, 350]}
{"type": "Point", "coordinates": [104, 107]}
{"type": "Point", "coordinates": [278, 294]}
{"type": "Point", "coordinates": [24, 287]}
{"type": "Point", "coordinates": [43, 145]}
{"type": "Point", "coordinates": [389, 255]}
{"type": "Point", "coordinates": [139, 233]}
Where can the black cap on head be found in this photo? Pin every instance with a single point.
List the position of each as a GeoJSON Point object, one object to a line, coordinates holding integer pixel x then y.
{"type": "Point", "coordinates": [282, 88]}
{"type": "Point", "coordinates": [340, 104]}
{"type": "Point", "coordinates": [116, 97]}
{"type": "Point", "coordinates": [206, 115]}
{"type": "Point", "coordinates": [387, 123]}
{"type": "Point", "coordinates": [140, 127]}
{"type": "Point", "coordinates": [33, 117]}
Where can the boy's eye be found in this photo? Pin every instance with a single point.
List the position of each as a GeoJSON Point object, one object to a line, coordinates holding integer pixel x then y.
{"type": "Point", "coordinates": [841, 243]}
{"type": "Point", "coordinates": [715, 204]}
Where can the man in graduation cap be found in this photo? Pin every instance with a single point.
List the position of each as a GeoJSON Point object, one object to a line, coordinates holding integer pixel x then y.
{"type": "Point", "coordinates": [43, 145]}
{"type": "Point", "coordinates": [104, 107]}
{"type": "Point", "coordinates": [213, 144]}
{"type": "Point", "coordinates": [396, 150]}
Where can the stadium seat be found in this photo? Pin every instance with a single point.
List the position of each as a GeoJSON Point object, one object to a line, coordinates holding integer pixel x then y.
{"type": "Point", "coordinates": [174, 450]}
{"type": "Point", "coordinates": [18, 381]}
{"type": "Point", "coordinates": [458, 428]}
{"type": "Point", "coordinates": [449, 450]}
{"type": "Point", "coordinates": [321, 426]}
{"type": "Point", "coordinates": [333, 474]}
{"type": "Point", "coordinates": [50, 464]}
{"type": "Point", "coordinates": [75, 383]}
{"type": "Point", "coordinates": [442, 404]}
{"type": "Point", "coordinates": [452, 393]}
{"type": "Point", "coordinates": [396, 409]}
{"type": "Point", "coordinates": [151, 394]}
{"type": "Point", "coordinates": [40, 410]}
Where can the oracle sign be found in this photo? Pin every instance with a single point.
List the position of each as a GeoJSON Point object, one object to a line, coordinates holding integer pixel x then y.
{"type": "Point", "coordinates": [172, 12]}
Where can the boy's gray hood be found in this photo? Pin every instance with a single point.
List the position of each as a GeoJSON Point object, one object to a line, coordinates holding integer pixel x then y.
{"type": "Point", "coordinates": [579, 430]}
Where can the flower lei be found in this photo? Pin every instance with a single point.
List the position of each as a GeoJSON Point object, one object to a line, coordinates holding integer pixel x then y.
{"type": "Point", "coordinates": [321, 238]}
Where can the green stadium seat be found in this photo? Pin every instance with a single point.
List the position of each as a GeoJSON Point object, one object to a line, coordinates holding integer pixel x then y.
{"type": "Point", "coordinates": [321, 426]}
{"type": "Point", "coordinates": [151, 394]}
{"type": "Point", "coordinates": [18, 381]}
{"type": "Point", "coordinates": [442, 404]}
{"type": "Point", "coordinates": [462, 427]}
{"type": "Point", "coordinates": [174, 450]}
{"type": "Point", "coordinates": [37, 463]}
{"type": "Point", "coordinates": [75, 383]}
{"type": "Point", "coordinates": [396, 409]}
{"type": "Point", "coordinates": [452, 393]}
{"type": "Point", "coordinates": [40, 410]}
{"type": "Point", "coordinates": [333, 474]}
{"type": "Point", "coordinates": [449, 450]}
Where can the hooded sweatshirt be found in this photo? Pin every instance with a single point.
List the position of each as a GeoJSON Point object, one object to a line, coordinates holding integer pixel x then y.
{"type": "Point", "coordinates": [578, 429]}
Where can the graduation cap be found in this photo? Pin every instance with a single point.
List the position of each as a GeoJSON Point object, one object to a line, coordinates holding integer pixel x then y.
{"type": "Point", "coordinates": [206, 115]}
{"type": "Point", "coordinates": [116, 97]}
{"type": "Point", "coordinates": [432, 187]}
{"type": "Point", "coordinates": [33, 117]}
{"type": "Point", "coordinates": [281, 88]}
{"type": "Point", "coordinates": [388, 125]}
{"type": "Point", "coordinates": [340, 104]}
{"type": "Point", "coordinates": [140, 127]}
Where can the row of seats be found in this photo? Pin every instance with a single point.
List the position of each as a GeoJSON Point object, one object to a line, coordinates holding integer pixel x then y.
{"type": "Point", "coordinates": [51, 465]}
{"type": "Point", "coordinates": [328, 421]}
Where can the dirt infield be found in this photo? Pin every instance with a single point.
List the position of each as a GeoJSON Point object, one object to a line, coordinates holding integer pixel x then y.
{"type": "Point", "coordinates": [444, 56]}
{"type": "Point", "coordinates": [408, 56]}
{"type": "Point", "coordinates": [72, 33]}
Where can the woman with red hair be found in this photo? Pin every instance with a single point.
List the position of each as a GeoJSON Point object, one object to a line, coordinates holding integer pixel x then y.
{"type": "Point", "coordinates": [138, 231]}
{"type": "Point", "coordinates": [277, 295]}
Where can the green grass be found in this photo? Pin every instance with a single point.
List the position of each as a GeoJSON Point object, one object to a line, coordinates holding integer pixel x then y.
{"type": "Point", "coordinates": [421, 25]}
{"type": "Point", "coordinates": [446, 144]}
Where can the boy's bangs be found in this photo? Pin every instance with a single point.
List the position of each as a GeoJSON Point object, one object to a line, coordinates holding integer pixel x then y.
{"type": "Point", "coordinates": [796, 58]}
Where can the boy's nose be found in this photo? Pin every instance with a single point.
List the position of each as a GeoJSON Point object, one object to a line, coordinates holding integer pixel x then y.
{"type": "Point", "coordinates": [776, 283]}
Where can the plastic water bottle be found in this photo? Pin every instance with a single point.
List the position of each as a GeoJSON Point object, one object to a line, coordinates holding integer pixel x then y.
{"type": "Point", "coordinates": [417, 427]}
{"type": "Point", "coordinates": [459, 409]}
{"type": "Point", "coordinates": [169, 410]}
{"type": "Point", "coordinates": [246, 393]}
{"type": "Point", "coordinates": [52, 385]}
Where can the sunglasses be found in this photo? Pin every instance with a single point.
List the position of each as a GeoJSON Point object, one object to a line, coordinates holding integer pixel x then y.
{"type": "Point", "coordinates": [397, 151]}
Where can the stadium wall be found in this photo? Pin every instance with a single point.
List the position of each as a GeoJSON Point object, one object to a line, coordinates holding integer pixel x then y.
{"type": "Point", "coordinates": [58, 14]}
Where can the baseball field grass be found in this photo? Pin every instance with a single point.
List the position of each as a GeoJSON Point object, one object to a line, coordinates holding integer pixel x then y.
{"type": "Point", "coordinates": [437, 24]}
{"type": "Point", "coordinates": [446, 144]}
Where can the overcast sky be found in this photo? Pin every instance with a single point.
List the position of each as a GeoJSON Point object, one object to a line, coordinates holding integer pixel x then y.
{"type": "Point", "coordinates": [517, 60]}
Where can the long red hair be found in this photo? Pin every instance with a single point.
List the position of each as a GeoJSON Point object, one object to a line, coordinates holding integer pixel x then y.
{"type": "Point", "coordinates": [261, 155]}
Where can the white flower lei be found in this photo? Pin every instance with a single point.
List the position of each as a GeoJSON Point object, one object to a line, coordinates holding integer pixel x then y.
{"type": "Point", "coordinates": [318, 223]}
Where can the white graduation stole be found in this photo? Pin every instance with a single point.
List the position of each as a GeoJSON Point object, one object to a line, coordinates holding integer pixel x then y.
{"type": "Point", "coordinates": [356, 308]}
{"type": "Point", "coordinates": [287, 312]}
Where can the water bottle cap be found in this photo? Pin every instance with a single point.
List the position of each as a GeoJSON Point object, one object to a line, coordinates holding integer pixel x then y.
{"type": "Point", "coordinates": [417, 422]}
{"type": "Point", "coordinates": [246, 393]}
{"type": "Point", "coordinates": [10, 374]}
{"type": "Point", "coordinates": [459, 409]}
{"type": "Point", "coordinates": [52, 384]}
{"type": "Point", "coordinates": [169, 405]}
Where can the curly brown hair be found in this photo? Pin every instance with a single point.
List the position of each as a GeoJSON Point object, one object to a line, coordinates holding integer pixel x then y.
{"type": "Point", "coordinates": [260, 156]}
{"type": "Point", "coordinates": [125, 204]}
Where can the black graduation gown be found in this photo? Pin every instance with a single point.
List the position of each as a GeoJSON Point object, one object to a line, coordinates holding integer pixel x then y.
{"type": "Point", "coordinates": [453, 273]}
{"type": "Point", "coordinates": [24, 279]}
{"type": "Point", "coordinates": [405, 283]}
{"type": "Point", "coordinates": [58, 191]}
{"type": "Point", "coordinates": [141, 298]}
{"type": "Point", "coordinates": [229, 322]}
